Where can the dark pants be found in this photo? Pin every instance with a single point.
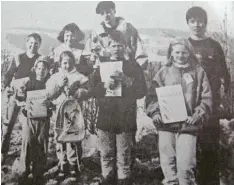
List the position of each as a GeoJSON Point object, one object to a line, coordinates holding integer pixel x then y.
{"type": "Point", "coordinates": [208, 154]}
{"type": "Point", "coordinates": [35, 137]}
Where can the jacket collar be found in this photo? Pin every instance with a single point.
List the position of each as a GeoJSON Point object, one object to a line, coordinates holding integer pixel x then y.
{"type": "Point", "coordinates": [101, 29]}
{"type": "Point", "coordinates": [71, 72]}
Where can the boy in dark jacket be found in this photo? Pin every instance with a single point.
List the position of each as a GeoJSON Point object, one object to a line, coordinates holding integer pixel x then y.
{"type": "Point", "coordinates": [116, 123]}
{"type": "Point", "coordinates": [211, 57]}
{"type": "Point", "coordinates": [35, 132]}
{"type": "Point", "coordinates": [19, 68]}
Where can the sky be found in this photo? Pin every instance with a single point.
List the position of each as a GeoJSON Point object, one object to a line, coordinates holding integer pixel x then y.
{"type": "Point", "coordinates": [147, 14]}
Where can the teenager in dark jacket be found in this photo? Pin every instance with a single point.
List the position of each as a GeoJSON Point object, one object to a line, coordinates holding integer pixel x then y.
{"type": "Point", "coordinates": [116, 122]}
{"type": "Point", "coordinates": [19, 68]}
{"type": "Point", "coordinates": [211, 57]}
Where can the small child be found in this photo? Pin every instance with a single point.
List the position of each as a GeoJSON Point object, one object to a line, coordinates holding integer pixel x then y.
{"type": "Point", "coordinates": [116, 122]}
{"type": "Point", "coordinates": [177, 141]}
{"type": "Point", "coordinates": [35, 132]}
{"type": "Point", "coordinates": [59, 86]}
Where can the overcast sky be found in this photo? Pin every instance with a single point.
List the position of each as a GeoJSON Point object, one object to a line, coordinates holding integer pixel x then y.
{"type": "Point", "coordinates": [55, 15]}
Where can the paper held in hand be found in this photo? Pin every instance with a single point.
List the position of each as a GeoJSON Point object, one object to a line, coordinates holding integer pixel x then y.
{"type": "Point", "coordinates": [35, 106]}
{"type": "Point", "coordinates": [172, 104]}
{"type": "Point", "coordinates": [107, 72]}
{"type": "Point", "coordinates": [17, 83]}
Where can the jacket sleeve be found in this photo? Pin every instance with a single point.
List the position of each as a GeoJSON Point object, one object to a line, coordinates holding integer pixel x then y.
{"type": "Point", "coordinates": [204, 109]}
{"type": "Point", "coordinates": [151, 100]}
{"type": "Point", "coordinates": [12, 68]}
{"type": "Point", "coordinates": [53, 90]}
{"type": "Point", "coordinates": [224, 74]}
{"type": "Point", "coordinates": [138, 89]}
{"type": "Point", "coordinates": [136, 47]}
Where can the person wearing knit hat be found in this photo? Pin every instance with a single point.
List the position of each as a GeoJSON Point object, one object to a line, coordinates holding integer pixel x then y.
{"type": "Point", "coordinates": [212, 58]}
{"type": "Point", "coordinates": [177, 140]}
{"type": "Point", "coordinates": [107, 10]}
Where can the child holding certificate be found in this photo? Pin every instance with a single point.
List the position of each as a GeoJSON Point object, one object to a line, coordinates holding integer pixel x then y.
{"type": "Point", "coordinates": [35, 132]}
{"type": "Point", "coordinates": [177, 141]}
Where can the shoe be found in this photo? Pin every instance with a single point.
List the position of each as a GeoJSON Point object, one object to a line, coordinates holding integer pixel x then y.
{"type": "Point", "coordinates": [61, 176]}
{"type": "Point", "coordinates": [23, 178]}
{"type": "Point", "coordinates": [74, 173]}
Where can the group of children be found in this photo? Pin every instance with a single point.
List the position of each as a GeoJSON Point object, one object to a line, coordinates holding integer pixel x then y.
{"type": "Point", "coordinates": [116, 122]}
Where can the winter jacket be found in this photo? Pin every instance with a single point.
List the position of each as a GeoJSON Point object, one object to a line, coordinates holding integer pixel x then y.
{"type": "Point", "coordinates": [99, 37]}
{"type": "Point", "coordinates": [19, 67]}
{"type": "Point", "coordinates": [197, 94]}
{"type": "Point", "coordinates": [118, 114]}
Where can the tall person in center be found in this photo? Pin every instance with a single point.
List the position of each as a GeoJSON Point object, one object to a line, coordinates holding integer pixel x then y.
{"type": "Point", "coordinates": [99, 36]}
{"type": "Point", "coordinates": [177, 141]}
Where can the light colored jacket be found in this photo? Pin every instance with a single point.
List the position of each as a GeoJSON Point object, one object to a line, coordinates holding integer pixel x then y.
{"type": "Point", "coordinates": [197, 94]}
{"type": "Point", "coordinates": [99, 36]}
{"type": "Point", "coordinates": [56, 93]}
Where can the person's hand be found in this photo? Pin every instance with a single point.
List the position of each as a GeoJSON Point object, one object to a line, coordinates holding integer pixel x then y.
{"type": "Point", "coordinates": [157, 120]}
{"type": "Point", "coordinates": [63, 81]}
{"type": "Point", "coordinates": [9, 91]}
{"type": "Point", "coordinates": [193, 120]}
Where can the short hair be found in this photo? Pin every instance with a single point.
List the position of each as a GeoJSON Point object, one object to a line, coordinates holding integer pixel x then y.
{"type": "Point", "coordinates": [42, 61]}
{"type": "Point", "coordinates": [118, 37]}
{"type": "Point", "coordinates": [104, 6]}
{"type": "Point", "coordinates": [69, 54]}
{"type": "Point", "coordinates": [36, 36]}
{"type": "Point", "coordinates": [196, 12]}
{"type": "Point", "coordinates": [72, 27]}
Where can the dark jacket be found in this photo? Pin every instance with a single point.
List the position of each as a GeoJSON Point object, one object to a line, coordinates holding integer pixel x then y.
{"type": "Point", "coordinates": [197, 94]}
{"type": "Point", "coordinates": [118, 114]}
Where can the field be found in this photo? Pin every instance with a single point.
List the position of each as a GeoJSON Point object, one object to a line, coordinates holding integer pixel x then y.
{"type": "Point", "coordinates": [146, 169]}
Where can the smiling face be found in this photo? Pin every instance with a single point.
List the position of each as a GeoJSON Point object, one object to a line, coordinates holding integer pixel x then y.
{"type": "Point", "coordinates": [32, 45]}
{"type": "Point", "coordinates": [197, 27]}
{"type": "Point", "coordinates": [116, 50]}
{"type": "Point", "coordinates": [180, 54]}
{"type": "Point", "coordinates": [108, 16]}
{"type": "Point", "coordinates": [69, 38]}
{"type": "Point", "coordinates": [67, 64]}
{"type": "Point", "coordinates": [41, 71]}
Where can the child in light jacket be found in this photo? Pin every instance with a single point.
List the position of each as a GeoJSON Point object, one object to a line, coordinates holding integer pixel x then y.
{"type": "Point", "coordinates": [177, 141]}
{"type": "Point", "coordinates": [58, 87]}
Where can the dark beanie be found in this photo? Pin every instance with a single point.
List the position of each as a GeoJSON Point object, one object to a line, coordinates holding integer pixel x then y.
{"type": "Point", "coordinates": [196, 12]}
{"type": "Point", "coordinates": [104, 6]}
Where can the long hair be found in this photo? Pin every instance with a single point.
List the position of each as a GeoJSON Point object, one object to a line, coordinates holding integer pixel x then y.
{"type": "Point", "coordinates": [192, 57]}
{"type": "Point", "coordinates": [72, 27]}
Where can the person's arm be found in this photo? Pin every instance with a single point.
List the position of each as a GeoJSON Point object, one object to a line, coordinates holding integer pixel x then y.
{"type": "Point", "coordinates": [12, 68]}
{"type": "Point", "coordinates": [137, 85]}
{"type": "Point", "coordinates": [204, 109]}
{"type": "Point", "coordinates": [223, 71]}
{"type": "Point", "coordinates": [136, 47]}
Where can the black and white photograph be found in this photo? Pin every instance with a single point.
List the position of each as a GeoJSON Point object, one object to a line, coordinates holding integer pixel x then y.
{"type": "Point", "coordinates": [117, 93]}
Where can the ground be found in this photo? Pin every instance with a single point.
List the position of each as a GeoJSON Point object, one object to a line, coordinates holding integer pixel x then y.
{"type": "Point", "coordinates": [146, 168]}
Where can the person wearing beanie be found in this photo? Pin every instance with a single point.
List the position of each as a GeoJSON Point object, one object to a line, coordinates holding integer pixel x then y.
{"type": "Point", "coordinates": [99, 36]}
{"type": "Point", "coordinates": [211, 57]}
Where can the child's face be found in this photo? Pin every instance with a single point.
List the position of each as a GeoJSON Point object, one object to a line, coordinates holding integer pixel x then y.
{"type": "Point", "coordinates": [116, 50]}
{"type": "Point", "coordinates": [69, 38]}
{"type": "Point", "coordinates": [41, 71]}
{"type": "Point", "coordinates": [32, 45]}
{"type": "Point", "coordinates": [66, 64]}
{"type": "Point", "coordinates": [180, 54]}
{"type": "Point", "coordinates": [197, 26]}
